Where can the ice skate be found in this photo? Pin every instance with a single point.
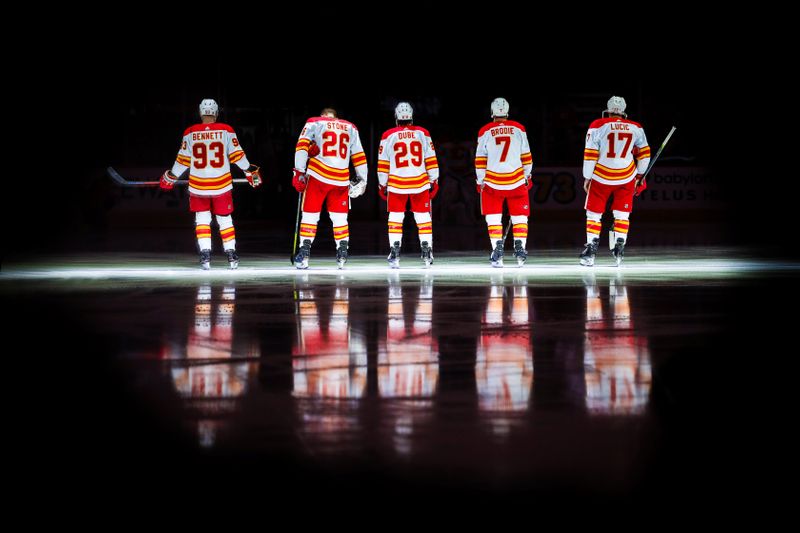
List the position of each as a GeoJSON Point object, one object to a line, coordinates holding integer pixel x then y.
{"type": "Point", "coordinates": [497, 255]}
{"type": "Point", "coordinates": [520, 253]}
{"type": "Point", "coordinates": [205, 259]}
{"type": "Point", "coordinates": [618, 251]}
{"type": "Point", "coordinates": [301, 259]}
{"type": "Point", "coordinates": [587, 256]}
{"type": "Point", "coordinates": [394, 255]}
{"type": "Point", "coordinates": [426, 254]}
{"type": "Point", "coordinates": [341, 254]}
{"type": "Point", "coordinates": [233, 259]}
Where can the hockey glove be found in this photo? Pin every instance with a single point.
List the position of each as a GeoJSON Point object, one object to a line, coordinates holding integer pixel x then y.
{"type": "Point", "coordinates": [528, 182]}
{"type": "Point", "coordinates": [383, 193]}
{"type": "Point", "coordinates": [253, 175]}
{"type": "Point", "coordinates": [641, 185]}
{"type": "Point", "coordinates": [313, 149]}
{"type": "Point", "coordinates": [357, 188]}
{"type": "Point", "coordinates": [434, 189]}
{"type": "Point", "coordinates": [167, 181]}
{"type": "Point", "coordinates": [299, 181]}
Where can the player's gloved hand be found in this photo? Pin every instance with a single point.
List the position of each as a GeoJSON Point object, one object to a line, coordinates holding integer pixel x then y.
{"type": "Point", "coordinates": [641, 185]}
{"type": "Point", "coordinates": [383, 193]}
{"type": "Point", "coordinates": [528, 182]}
{"type": "Point", "coordinates": [299, 180]}
{"type": "Point", "coordinates": [313, 149]}
{"type": "Point", "coordinates": [253, 175]}
{"type": "Point", "coordinates": [586, 186]}
{"type": "Point", "coordinates": [357, 188]}
{"type": "Point", "coordinates": [167, 181]}
{"type": "Point", "coordinates": [479, 188]}
{"type": "Point", "coordinates": [434, 188]}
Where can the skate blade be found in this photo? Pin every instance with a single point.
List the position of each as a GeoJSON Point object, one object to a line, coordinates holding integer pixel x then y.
{"type": "Point", "coordinates": [234, 266]}
{"type": "Point", "coordinates": [520, 262]}
{"type": "Point", "coordinates": [205, 266]}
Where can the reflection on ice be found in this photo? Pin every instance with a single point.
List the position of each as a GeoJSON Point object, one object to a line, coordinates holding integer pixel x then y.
{"type": "Point", "coordinates": [408, 366]}
{"type": "Point", "coordinates": [616, 359]}
{"type": "Point", "coordinates": [504, 362]}
{"type": "Point", "coordinates": [202, 371]}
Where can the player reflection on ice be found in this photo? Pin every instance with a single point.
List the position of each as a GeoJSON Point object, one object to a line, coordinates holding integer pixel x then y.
{"type": "Point", "coordinates": [408, 360]}
{"type": "Point", "coordinates": [204, 373]}
{"type": "Point", "coordinates": [504, 362]}
{"type": "Point", "coordinates": [329, 365]}
{"type": "Point", "coordinates": [616, 360]}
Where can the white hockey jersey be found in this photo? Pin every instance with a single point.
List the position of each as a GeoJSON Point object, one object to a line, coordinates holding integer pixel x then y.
{"type": "Point", "coordinates": [338, 143]}
{"type": "Point", "coordinates": [208, 150]}
{"type": "Point", "coordinates": [407, 160]}
{"type": "Point", "coordinates": [616, 150]}
{"type": "Point", "coordinates": [503, 158]}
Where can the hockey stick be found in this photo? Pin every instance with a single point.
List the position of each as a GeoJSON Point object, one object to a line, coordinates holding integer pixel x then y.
{"type": "Point", "coordinates": [296, 226]}
{"type": "Point", "coordinates": [122, 182]}
{"type": "Point", "coordinates": [653, 161]}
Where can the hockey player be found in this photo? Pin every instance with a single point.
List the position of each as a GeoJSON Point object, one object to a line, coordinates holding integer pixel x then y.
{"type": "Point", "coordinates": [614, 160]}
{"type": "Point", "coordinates": [207, 150]}
{"type": "Point", "coordinates": [407, 170]}
{"type": "Point", "coordinates": [503, 166]}
{"type": "Point", "coordinates": [325, 177]}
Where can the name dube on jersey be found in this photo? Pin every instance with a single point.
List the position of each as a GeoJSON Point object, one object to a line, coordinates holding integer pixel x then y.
{"type": "Point", "coordinates": [407, 160]}
{"type": "Point", "coordinates": [208, 150]}
{"type": "Point", "coordinates": [616, 150]}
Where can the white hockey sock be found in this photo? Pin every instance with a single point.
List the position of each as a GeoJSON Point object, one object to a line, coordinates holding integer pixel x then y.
{"type": "Point", "coordinates": [341, 231]}
{"type": "Point", "coordinates": [227, 232]}
{"type": "Point", "coordinates": [621, 225]}
{"type": "Point", "coordinates": [424, 227]}
{"type": "Point", "coordinates": [593, 225]}
{"type": "Point", "coordinates": [495, 225]}
{"type": "Point", "coordinates": [202, 228]}
{"type": "Point", "coordinates": [308, 226]}
{"type": "Point", "coordinates": [395, 227]}
{"type": "Point", "coordinates": [520, 228]}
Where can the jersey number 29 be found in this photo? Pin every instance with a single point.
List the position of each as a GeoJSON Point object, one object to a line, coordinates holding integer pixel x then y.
{"type": "Point", "coordinates": [401, 157]}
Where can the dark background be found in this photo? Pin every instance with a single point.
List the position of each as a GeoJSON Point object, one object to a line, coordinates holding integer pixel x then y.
{"type": "Point", "coordinates": [131, 113]}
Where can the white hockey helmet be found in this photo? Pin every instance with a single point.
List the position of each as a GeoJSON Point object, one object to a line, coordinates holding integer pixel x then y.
{"type": "Point", "coordinates": [500, 107]}
{"type": "Point", "coordinates": [209, 107]}
{"type": "Point", "coordinates": [404, 111]}
{"type": "Point", "coordinates": [616, 105]}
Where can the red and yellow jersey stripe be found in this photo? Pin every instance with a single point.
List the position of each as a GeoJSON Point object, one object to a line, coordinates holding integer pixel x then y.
{"type": "Point", "coordinates": [508, 178]}
{"type": "Point", "coordinates": [184, 160]}
{"type": "Point", "coordinates": [315, 166]}
{"type": "Point", "coordinates": [236, 156]}
{"type": "Point", "coordinates": [210, 184]}
{"type": "Point", "coordinates": [383, 165]}
{"type": "Point", "coordinates": [412, 182]}
{"type": "Point", "coordinates": [641, 153]}
{"type": "Point", "coordinates": [613, 174]}
{"type": "Point", "coordinates": [526, 158]}
{"type": "Point", "coordinates": [359, 159]}
{"type": "Point", "coordinates": [591, 155]}
{"type": "Point", "coordinates": [302, 144]}
{"type": "Point", "coordinates": [480, 162]}
{"type": "Point", "coordinates": [431, 163]}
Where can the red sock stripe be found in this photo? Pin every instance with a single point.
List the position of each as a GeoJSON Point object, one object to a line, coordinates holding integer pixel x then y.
{"type": "Point", "coordinates": [308, 230]}
{"type": "Point", "coordinates": [621, 226]}
{"type": "Point", "coordinates": [203, 231]}
{"type": "Point", "coordinates": [495, 232]}
{"type": "Point", "coordinates": [593, 227]}
{"type": "Point", "coordinates": [425, 228]}
{"type": "Point", "coordinates": [521, 230]}
{"type": "Point", "coordinates": [395, 227]}
{"type": "Point", "coordinates": [341, 232]}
